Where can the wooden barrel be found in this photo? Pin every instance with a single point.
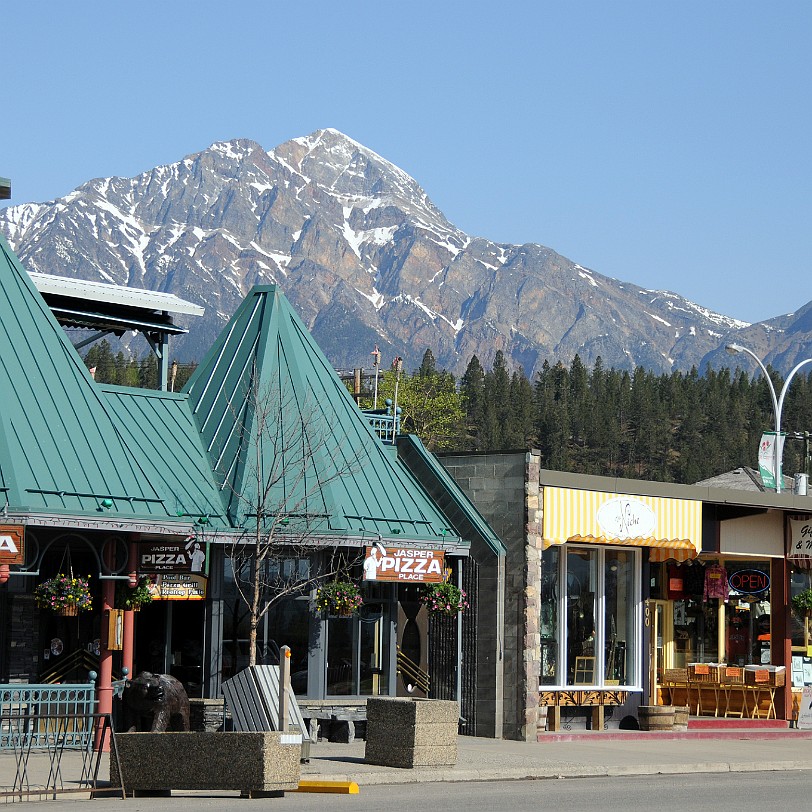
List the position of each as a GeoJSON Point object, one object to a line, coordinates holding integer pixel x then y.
{"type": "Point", "coordinates": [681, 713]}
{"type": "Point", "coordinates": [656, 717]}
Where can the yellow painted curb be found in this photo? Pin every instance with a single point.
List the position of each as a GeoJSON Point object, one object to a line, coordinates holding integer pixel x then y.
{"type": "Point", "coordinates": [342, 787]}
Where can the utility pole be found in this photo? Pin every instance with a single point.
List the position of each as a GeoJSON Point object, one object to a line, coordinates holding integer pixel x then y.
{"type": "Point", "coordinates": [376, 362]}
{"type": "Point", "coordinates": [397, 365]}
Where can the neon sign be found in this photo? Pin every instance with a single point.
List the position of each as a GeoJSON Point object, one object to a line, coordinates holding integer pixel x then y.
{"type": "Point", "coordinates": [749, 582]}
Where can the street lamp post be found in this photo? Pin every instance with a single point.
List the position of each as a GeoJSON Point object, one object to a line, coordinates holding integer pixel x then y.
{"type": "Point", "coordinates": [778, 404]}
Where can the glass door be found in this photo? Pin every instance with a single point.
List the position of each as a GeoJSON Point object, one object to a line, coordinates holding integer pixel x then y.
{"type": "Point", "coordinates": [659, 619]}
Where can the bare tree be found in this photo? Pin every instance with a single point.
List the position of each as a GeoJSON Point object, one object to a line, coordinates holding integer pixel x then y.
{"type": "Point", "coordinates": [288, 458]}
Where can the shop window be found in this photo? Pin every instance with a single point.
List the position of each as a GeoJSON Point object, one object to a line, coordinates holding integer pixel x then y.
{"type": "Point", "coordinates": [799, 630]}
{"type": "Point", "coordinates": [548, 619]}
{"type": "Point", "coordinates": [589, 626]}
{"type": "Point", "coordinates": [287, 622]}
{"type": "Point", "coordinates": [619, 615]}
{"type": "Point", "coordinates": [705, 594]}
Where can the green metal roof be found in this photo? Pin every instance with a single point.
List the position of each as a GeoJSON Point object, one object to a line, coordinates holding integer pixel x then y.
{"type": "Point", "coordinates": [265, 399]}
{"type": "Point", "coordinates": [277, 420]}
{"type": "Point", "coordinates": [160, 428]}
{"type": "Point", "coordinates": [60, 451]}
{"type": "Point", "coordinates": [468, 521]}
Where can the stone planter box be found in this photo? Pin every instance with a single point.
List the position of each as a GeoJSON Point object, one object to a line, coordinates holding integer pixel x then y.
{"type": "Point", "coordinates": [405, 732]}
{"type": "Point", "coordinates": [251, 763]}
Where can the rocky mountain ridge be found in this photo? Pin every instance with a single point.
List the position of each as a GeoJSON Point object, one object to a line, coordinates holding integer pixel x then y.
{"type": "Point", "coordinates": [366, 259]}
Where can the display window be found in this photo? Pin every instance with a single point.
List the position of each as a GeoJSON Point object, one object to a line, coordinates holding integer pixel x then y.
{"type": "Point", "coordinates": [720, 612]}
{"type": "Point", "coordinates": [589, 616]}
{"type": "Point", "coordinates": [287, 622]}
{"type": "Point", "coordinates": [356, 648]}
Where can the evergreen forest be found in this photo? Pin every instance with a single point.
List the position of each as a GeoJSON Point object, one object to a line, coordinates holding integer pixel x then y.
{"type": "Point", "coordinates": [681, 427]}
{"type": "Point", "coordinates": [124, 370]}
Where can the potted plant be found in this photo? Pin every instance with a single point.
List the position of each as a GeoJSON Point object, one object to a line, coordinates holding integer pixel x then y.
{"type": "Point", "coordinates": [133, 597]}
{"type": "Point", "coordinates": [338, 598]}
{"type": "Point", "coordinates": [64, 594]}
{"type": "Point", "coordinates": [444, 599]}
{"type": "Point", "coordinates": [802, 603]}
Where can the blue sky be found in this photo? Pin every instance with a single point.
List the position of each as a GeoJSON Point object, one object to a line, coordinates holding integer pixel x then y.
{"type": "Point", "coordinates": [661, 143]}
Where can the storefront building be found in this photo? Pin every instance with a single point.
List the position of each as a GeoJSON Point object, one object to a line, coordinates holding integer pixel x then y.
{"type": "Point", "coordinates": [264, 443]}
{"type": "Point", "coordinates": [632, 593]}
{"type": "Point", "coordinates": [591, 600]}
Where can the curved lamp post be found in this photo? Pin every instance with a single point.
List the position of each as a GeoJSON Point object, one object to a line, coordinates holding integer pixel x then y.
{"type": "Point", "coordinates": [778, 404]}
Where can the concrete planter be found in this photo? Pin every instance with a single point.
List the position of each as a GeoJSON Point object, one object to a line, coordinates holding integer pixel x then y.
{"type": "Point", "coordinates": [251, 763]}
{"type": "Point", "coordinates": [411, 732]}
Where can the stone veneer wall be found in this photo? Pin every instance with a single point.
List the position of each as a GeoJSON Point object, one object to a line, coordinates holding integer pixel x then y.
{"type": "Point", "coordinates": [505, 489]}
{"type": "Point", "coordinates": [486, 617]}
{"type": "Point", "coordinates": [534, 509]}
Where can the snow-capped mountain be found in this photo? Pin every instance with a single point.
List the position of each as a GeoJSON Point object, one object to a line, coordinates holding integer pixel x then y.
{"type": "Point", "coordinates": [361, 252]}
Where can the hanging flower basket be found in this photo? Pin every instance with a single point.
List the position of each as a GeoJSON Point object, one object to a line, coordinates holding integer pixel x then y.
{"type": "Point", "coordinates": [133, 598]}
{"type": "Point", "coordinates": [65, 595]}
{"type": "Point", "coordinates": [340, 598]}
{"type": "Point", "coordinates": [443, 599]}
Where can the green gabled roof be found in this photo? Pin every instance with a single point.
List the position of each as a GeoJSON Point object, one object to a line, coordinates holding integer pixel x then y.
{"type": "Point", "coordinates": [60, 451]}
{"type": "Point", "coordinates": [338, 477]}
{"type": "Point", "coordinates": [161, 431]}
{"type": "Point", "coordinates": [467, 520]}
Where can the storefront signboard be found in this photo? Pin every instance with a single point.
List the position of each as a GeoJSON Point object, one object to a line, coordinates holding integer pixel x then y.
{"type": "Point", "coordinates": [626, 518]}
{"type": "Point", "coordinates": [800, 544]}
{"type": "Point", "coordinates": [749, 582]}
{"type": "Point", "coordinates": [404, 565]}
{"type": "Point", "coordinates": [805, 711]}
{"type": "Point", "coordinates": [189, 555]}
{"type": "Point", "coordinates": [12, 544]}
{"type": "Point", "coordinates": [177, 586]}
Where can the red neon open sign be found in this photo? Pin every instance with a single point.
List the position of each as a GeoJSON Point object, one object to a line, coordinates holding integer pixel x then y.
{"type": "Point", "coordinates": [749, 582]}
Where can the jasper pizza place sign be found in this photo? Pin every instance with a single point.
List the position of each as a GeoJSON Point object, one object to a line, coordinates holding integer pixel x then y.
{"type": "Point", "coordinates": [404, 565]}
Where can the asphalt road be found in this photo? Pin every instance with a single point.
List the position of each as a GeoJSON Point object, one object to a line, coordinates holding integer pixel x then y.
{"type": "Point", "coordinates": [663, 793]}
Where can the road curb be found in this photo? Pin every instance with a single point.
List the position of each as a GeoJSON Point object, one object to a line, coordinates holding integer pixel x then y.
{"type": "Point", "coordinates": [555, 772]}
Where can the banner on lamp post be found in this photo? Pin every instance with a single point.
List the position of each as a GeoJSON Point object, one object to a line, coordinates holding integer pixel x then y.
{"type": "Point", "coordinates": [766, 458]}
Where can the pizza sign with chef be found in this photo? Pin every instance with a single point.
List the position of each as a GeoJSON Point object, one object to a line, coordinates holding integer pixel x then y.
{"type": "Point", "coordinates": [403, 564]}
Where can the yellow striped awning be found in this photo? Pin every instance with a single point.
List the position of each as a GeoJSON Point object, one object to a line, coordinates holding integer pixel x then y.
{"type": "Point", "coordinates": [672, 528]}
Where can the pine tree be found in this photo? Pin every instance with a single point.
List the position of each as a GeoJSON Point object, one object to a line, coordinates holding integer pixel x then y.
{"type": "Point", "coordinates": [519, 432]}
{"type": "Point", "coordinates": [472, 392]}
{"type": "Point", "coordinates": [428, 366]}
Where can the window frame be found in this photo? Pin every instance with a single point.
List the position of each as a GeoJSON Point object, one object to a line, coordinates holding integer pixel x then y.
{"type": "Point", "coordinates": [635, 661]}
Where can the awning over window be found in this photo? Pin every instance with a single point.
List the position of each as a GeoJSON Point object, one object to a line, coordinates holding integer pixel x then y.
{"type": "Point", "coordinates": [672, 528]}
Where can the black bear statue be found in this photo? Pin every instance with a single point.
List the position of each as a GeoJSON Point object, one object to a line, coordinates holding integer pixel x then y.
{"type": "Point", "coordinates": [155, 703]}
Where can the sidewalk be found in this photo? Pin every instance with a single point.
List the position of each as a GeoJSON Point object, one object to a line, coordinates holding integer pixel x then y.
{"type": "Point", "coordinates": [575, 756]}
{"type": "Point", "coordinates": [567, 756]}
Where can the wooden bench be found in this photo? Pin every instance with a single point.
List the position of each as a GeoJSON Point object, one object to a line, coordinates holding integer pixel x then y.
{"type": "Point", "coordinates": [595, 698]}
